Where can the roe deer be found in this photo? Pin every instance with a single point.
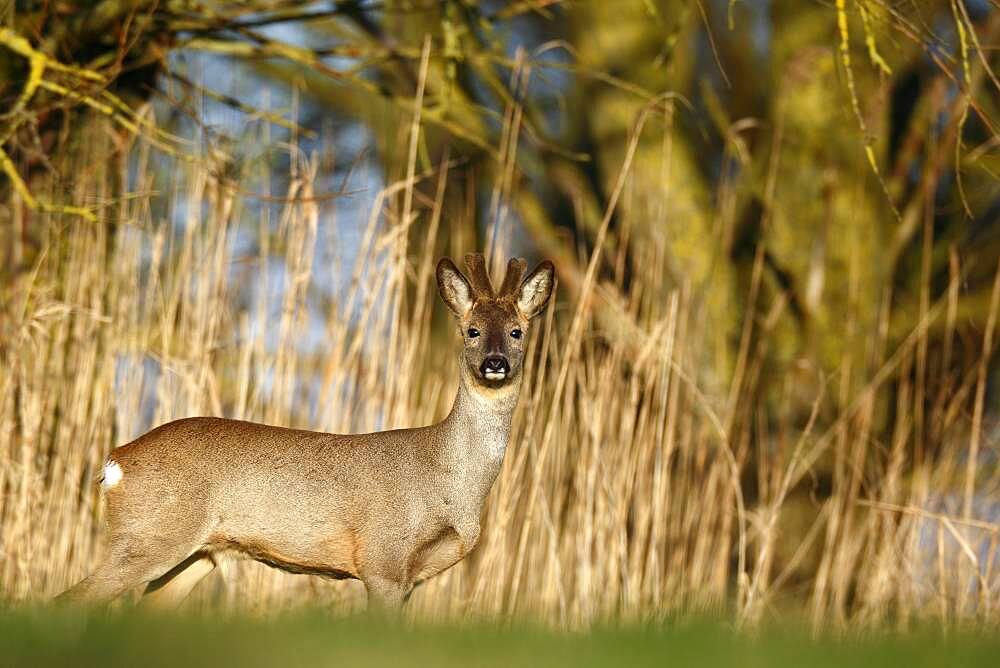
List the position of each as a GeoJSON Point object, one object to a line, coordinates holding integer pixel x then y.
{"type": "Point", "coordinates": [390, 508]}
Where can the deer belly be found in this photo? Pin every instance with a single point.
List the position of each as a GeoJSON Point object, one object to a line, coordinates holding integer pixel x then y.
{"type": "Point", "coordinates": [334, 556]}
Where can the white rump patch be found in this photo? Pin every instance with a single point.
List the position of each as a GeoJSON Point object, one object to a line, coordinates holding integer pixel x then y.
{"type": "Point", "coordinates": [112, 474]}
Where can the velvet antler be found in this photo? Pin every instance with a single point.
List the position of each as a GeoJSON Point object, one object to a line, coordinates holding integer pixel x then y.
{"type": "Point", "coordinates": [512, 280]}
{"type": "Point", "coordinates": [479, 279]}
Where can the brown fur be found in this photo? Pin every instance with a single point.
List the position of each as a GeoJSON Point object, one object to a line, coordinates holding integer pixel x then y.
{"type": "Point", "coordinates": [389, 508]}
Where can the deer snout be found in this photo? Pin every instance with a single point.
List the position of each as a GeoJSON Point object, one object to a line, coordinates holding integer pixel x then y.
{"type": "Point", "coordinates": [495, 367]}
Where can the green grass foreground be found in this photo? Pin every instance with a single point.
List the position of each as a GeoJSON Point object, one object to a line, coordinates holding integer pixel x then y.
{"type": "Point", "coordinates": [47, 638]}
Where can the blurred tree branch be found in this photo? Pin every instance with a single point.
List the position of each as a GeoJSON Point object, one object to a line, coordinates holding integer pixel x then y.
{"type": "Point", "coordinates": [769, 160]}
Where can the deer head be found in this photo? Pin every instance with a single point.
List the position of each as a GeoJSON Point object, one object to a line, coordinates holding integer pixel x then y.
{"type": "Point", "coordinates": [494, 323]}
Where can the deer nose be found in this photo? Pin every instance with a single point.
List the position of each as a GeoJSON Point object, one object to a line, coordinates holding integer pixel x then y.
{"type": "Point", "coordinates": [494, 367]}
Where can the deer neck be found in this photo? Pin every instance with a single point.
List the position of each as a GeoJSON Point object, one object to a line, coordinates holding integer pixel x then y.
{"type": "Point", "coordinates": [477, 429]}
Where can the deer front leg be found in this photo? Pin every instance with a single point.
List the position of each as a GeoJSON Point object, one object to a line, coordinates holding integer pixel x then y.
{"type": "Point", "coordinates": [386, 595]}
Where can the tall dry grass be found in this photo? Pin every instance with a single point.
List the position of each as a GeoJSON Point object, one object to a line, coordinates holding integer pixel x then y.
{"type": "Point", "coordinates": [634, 486]}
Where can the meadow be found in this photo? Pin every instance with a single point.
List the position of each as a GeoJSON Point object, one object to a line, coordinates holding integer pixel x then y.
{"type": "Point", "coordinates": [309, 639]}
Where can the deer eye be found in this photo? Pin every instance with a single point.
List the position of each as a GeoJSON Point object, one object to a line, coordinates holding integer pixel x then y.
{"type": "Point", "coordinates": [473, 332]}
{"type": "Point", "coordinates": [516, 333]}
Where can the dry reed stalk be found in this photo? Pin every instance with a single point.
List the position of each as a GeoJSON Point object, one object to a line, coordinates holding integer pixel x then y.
{"type": "Point", "coordinates": [623, 491]}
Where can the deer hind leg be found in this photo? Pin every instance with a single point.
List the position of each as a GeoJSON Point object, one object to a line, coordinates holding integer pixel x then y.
{"type": "Point", "coordinates": [129, 563]}
{"type": "Point", "coordinates": [170, 589]}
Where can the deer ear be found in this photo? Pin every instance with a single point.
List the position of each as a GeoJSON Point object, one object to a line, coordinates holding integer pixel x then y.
{"type": "Point", "coordinates": [536, 290]}
{"type": "Point", "coordinates": [454, 288]}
